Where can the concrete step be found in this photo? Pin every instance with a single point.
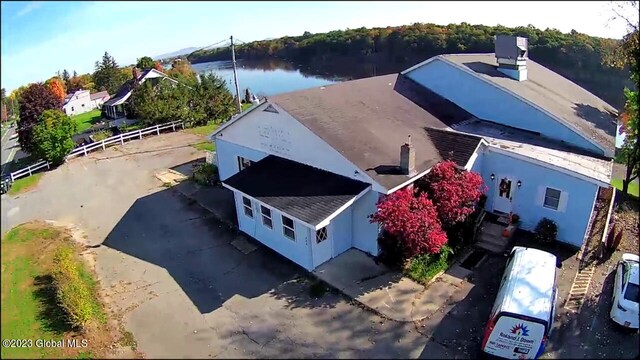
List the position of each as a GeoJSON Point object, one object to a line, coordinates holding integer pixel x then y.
{"type": "Point", "coordinates": [500, 241]}
{"type": "Point", "coordinates": [492, 247]}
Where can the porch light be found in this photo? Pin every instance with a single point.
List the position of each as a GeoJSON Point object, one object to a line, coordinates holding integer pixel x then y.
{"type": "Point", "coordinates": [493, 177]}
{"type": "Point", "coordinates": [519, 183]}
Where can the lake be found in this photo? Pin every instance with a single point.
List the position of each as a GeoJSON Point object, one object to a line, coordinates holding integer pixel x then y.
{"type": "Point", "coordinates": [266, 77]}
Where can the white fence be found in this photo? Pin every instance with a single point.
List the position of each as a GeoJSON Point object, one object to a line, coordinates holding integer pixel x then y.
{"type": "Point", "coordinates": [99, 145]}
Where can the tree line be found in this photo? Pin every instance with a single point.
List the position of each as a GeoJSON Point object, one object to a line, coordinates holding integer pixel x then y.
{"type": "Point", "coordinates": [579, 57]}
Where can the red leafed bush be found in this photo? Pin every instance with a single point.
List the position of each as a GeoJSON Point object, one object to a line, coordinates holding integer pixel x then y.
{"type": "Point", "coordinates": [454, 192]}
{"type": "Point", "coordinates": [412, 220]}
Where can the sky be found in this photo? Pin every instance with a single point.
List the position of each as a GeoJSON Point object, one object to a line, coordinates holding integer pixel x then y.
{"type": "Point", "coordinates": [39, 38]}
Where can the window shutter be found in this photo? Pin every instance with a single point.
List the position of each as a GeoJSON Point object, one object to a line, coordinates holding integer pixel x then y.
{"type": "Point", "coordinates": [564, 198]}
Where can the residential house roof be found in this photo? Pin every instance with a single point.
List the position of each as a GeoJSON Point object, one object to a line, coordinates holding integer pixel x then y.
{"type": "Point", "coordinates": [367, 120]}
{"type": "Point", "coordinates": [304, 192]}
{"type": "Point", "coordinates": [125, 90]}
{"type": "Point", "coordinates": [99, 95]}
{"type": "Point", "coordinates": [552, 92]}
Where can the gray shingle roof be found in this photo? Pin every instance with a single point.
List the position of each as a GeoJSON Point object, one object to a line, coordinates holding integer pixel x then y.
{"type": "Point", "coordinates": [367, 121]}
{"type": "Point", "coordinates": [558, 95]}
{"type": "Point", "coordinates": [299, 190]}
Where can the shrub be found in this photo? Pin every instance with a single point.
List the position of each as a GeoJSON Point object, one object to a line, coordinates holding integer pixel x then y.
{"type": "Point", "coordinates": [101, 135]}
{"type": "Point", "coordinates": [546, 231]}
{"type": "Point", "coordinates": [52, 136]}
{"type": "Point", "coordinates": [455, 192]}
{"type": "Point", "coordinates": [206, 174]}
{"type": "Point", "coordinates": [412, 220]}
{"type": "Point", "coordinates": [76, 289]}
{"type": "Point", "coordinates": [423, 268]}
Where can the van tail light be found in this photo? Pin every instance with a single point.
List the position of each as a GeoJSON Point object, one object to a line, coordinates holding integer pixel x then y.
{"type": "Point", "coordinates": [487, 332]}
{"type": "Point", "coordinates": [542, 346]}
{"type": "Point", "coordinates": [621, 308]}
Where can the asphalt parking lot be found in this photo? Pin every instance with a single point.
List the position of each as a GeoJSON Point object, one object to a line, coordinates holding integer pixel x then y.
{"type": "Point", "coordinates": [168, 268]}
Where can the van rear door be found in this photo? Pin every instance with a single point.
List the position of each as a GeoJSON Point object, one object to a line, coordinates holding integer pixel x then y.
{"type": "Point", "coordinates": [513, 337]}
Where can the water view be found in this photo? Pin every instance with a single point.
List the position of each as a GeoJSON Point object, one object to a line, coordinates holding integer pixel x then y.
{"type": "Point", "coordinates": [266, 78]}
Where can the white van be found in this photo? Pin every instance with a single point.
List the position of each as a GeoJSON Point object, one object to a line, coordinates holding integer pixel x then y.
{"type": "Point", "coordinates": [523, 312]}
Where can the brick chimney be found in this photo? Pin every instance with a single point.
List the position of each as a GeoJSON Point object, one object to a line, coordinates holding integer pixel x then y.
{"type": "Point", "coordinates": [135, 73]}
{"type": "Point", "coordinates": [408, 158]}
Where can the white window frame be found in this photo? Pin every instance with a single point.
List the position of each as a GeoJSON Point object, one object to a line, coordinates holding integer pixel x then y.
{"type": "Point", "coordinates": [544, 200]}
{"type": "Point", "coordinates": [292, 228]}
{"type": "Point", "coordinates": [322, 234]}
{"type": "Point", "coordinates": [243, 163]}
{"type": "Point", "coordinates": [248, 208]}
{"type": "Point", "coordinates": [265, 216]}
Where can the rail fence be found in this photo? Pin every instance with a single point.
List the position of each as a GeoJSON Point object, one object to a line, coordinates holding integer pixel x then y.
{"type": "Point", "coordinates": [98, 145]}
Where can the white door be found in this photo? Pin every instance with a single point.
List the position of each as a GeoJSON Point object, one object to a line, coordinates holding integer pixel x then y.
{"type": "Point", "coordinates": [503, 198]}
{"type": "Point", "coordinates": [321, 245]}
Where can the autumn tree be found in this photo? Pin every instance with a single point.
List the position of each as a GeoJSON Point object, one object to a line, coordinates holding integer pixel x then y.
{"type": "Point", "coordinates": [57, 88]}
{"type": "Point", "coordinates": [629, 153]}
{"type": "Point", "coordinates": [145, 63]}
{"type": "Point", "coordinates": [82, 82]}
{"type": "Point", "coordinates": [627, 55]}
{"type": "Point", "coordinates": [181, 70]}
{"type": "Point", "coordinates": [52, 136]}
{"type": "Point", "coordinates": [158, 66]}
{"type": "Point", "coordinates": [412, 221]}
{"type": "Point", "coordinates": [36, 99]}
{"type": "Point", "coordinates": [454, 191]}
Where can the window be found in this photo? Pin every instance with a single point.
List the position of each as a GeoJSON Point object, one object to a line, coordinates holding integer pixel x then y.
{"type": "Point", "coordinates": [552, 198]}
{"type": "Point", "coordinates": [248, 210]}
{"type": "Point", "coordinates": [243, 163]}
{"type": "Point", "coordinates": [82, 105]}
{"type": "Point", "coordinates": [321, 235]}
{"type": "Point", "coordinates": [72, 108]}
{"type": "Point", "coordinates": [287, 228]}
{"type": "Point", "coordinates": [266, 217]}
{"type": "Point", "coordinates": [632, 293]}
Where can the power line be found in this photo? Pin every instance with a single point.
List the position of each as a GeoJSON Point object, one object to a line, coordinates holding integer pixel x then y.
{"type": "Point", "coordinates": [212, 45]}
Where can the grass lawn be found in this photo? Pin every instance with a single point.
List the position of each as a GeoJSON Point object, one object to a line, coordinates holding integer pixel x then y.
{"type": "Point", "coordinates": [633, 187]}
{"type": "Point", "coordinates": [204, 130]}
{"type": "Point", "coordinates": [30, 303]}
{"type": "Point", "coordinates": [205, 145]}
{"type": "Point", "coordinates": [87, 119]}
{"type": "Point", "coordinates": [25, 184]}
{"type": "Point", "coordinates": [245, 106]}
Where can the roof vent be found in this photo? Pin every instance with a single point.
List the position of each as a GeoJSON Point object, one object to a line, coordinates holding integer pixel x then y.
{"type": "Point", "coordinates": [512, 53]}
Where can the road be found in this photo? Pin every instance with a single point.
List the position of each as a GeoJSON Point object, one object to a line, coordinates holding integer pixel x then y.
{"type": "Point", "coordinates": [10, 149]}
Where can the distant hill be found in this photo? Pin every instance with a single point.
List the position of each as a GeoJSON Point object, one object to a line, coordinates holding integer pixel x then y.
{"type": "Point", "coordinates": [577, 56]}
{"type": "Point", "coordinates": [185, 51]}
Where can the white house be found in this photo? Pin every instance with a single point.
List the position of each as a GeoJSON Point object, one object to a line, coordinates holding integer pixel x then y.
{"type": "Point", "coordinates": [307, 167]}
{"type": "Point", "coordinates": [115, 108]}
{"type": "Point", "coordinates": [82, 101]}
{"type": "Point", "coordinates": [99, 98]}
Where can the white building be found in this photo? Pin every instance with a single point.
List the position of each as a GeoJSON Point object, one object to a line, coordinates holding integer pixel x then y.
{"type": "Point", "coordinates": [82, 101]}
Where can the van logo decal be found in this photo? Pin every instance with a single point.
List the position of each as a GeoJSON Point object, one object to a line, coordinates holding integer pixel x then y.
{"type": "Point", "coordinates": [520, 329]}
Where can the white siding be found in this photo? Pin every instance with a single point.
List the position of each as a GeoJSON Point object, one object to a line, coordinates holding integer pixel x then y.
{"type": "Point", "coordinates": [284, 136]}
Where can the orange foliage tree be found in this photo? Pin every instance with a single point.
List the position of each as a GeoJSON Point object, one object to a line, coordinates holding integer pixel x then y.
{"type": "Point", "coordinates": [57, 88]}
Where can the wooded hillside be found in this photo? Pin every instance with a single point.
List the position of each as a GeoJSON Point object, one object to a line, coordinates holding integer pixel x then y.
{"type": "Point", "coordinates": [576, 56]}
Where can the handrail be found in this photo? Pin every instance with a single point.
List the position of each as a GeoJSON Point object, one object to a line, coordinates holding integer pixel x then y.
{"type": "Point", "coordinates": [86, 149]}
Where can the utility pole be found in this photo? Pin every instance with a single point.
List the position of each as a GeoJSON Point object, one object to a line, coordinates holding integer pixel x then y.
{"type": "Point", "coordinates": [235, 77]}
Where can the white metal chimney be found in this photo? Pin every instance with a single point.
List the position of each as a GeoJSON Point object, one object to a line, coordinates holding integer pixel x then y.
{"type": "Point", "coordinates": [512, 53]}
